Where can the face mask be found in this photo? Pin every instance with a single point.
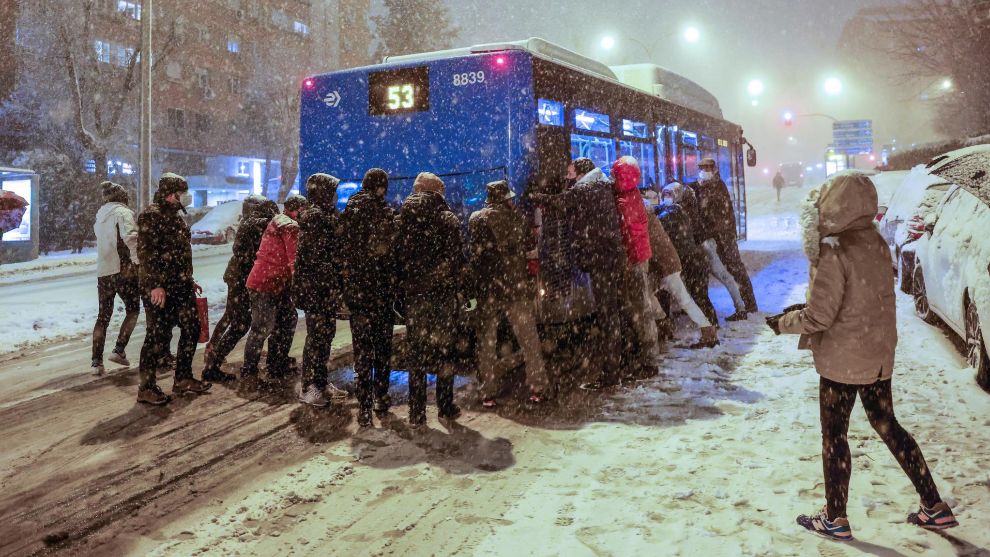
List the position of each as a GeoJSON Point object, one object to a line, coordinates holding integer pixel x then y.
{"type": "Point", "coordinates": [667, 201]}
{"type": "Point", "coordinates": [185, 199]}
{"type": "Point", "coordinates": [706, 175]}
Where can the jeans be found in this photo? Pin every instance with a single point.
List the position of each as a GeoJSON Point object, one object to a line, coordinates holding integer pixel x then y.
{"type": "Point", "coordinates": [234, 324]}
{"type": "Point", "coordinates": [520, 315]}
{"type": "Point", "coordinates": [321, 327]}
{"type": "Point", "coordinates": [645, 311]}
{"type": "Point", "coordinates": [273, 317]}
{"type": "Point", "coordinates": [678, 290]}
{"type": "Point", "coordinates": [107, 289]}
{"type": "Point", "coordinates": [179, 310]}
{"type": "Point", "coordinates": [728, 253]}
{"type": "Point", "coordinates": [836, 402]}
{"type": "Point", "coordinates": [372, 337]}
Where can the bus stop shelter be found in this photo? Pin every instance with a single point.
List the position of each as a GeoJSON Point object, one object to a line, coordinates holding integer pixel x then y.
{"type": "Point", "coordinates": [21, 244]}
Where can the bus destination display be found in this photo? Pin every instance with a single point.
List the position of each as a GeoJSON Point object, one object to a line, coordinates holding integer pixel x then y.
{"type": "Point", "coordinates": [399, 91]}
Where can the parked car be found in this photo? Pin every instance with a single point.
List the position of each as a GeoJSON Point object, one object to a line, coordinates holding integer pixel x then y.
{"type": "Point", "coordinates": [904, 219]}
{"type": "Point", "coordinates": [886, 183]}
{"type": "Point", "coordinates": [952, 271]}
{"type": "Point", "coordinates": [219, 226]}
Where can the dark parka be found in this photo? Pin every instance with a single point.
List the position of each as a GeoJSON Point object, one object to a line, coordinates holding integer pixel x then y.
{"type": "Point", "coordinates": [595, 223]}
{"type": "Point", "coordinates": [429, 251]}
{"type": "Point", "coordinates": [500, 241]}
{"type": "Point", "coordinates": [255, 219]}
{"type": "Point", "coordinates": [164, 247]}
{"type": "Point", "coordinates": [716, 218]}
{"type": "Point", "coordinates": [317, 280]}
{"type": "Point", "coordinates": [368, 230]}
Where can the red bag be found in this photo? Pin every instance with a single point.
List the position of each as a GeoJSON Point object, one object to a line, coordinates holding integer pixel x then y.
{"type": "Point", "coordinates": [203, 310]}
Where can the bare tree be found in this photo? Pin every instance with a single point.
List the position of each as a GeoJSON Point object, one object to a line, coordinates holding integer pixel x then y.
{"type": "Point", "coordinates": [410, 26]}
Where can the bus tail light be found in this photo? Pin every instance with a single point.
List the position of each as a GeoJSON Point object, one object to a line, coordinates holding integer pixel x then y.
{"type": "Point", "coordinates": [309, 83]}
{"type": "Point", "coordinates": [500, 60]}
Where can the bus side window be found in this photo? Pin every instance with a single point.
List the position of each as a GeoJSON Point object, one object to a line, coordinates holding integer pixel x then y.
{"type": "Point", "coordinates": [601, 150]}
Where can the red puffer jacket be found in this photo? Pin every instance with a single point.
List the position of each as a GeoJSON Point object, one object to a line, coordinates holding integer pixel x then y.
{"type": "Point", "coordinates": [635, 227]}
{"type": "Point", "coordinates": [276, 261]}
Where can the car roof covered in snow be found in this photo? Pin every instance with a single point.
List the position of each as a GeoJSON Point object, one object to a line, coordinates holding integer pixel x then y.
{"type": "Point", "coordinates": [220, 217]}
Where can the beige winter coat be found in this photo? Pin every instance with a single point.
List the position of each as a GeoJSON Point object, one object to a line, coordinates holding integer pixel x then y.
{"type": "Point", "coordinates": [850, 319]}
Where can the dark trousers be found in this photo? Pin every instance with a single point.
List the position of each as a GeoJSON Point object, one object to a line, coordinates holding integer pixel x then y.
{"type": "Point", "coordinates": [321, 327]}
{"type": "Point", "coordinates": [107, 289]}
{"type": "Point", "coordinates": [836, 402]}
{"type": "Point", "coordinates": [696, 282]}
{"type": "Point", "coordinates": [611, 312]}
{"type": "Point", "coordinates": [234, 324]}
{"type": "Point", "coordinates": [273, 317]}
{"type": "Point", "coordinates": [372, 334]}
{"type": "Point", "coordinates": [179, 310]}
{"type": "Point", "coordinates": [430, 323]}
{"type": "Point", "coordinates": [728, 252]}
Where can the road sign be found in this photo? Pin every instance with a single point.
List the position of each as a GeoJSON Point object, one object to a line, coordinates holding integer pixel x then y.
{"type": "Point", "coordinates": [852, 137]}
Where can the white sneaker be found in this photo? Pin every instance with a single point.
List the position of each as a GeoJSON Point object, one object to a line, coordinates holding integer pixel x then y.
{"type": "Point", "coordinates": [314, 396]}
{"type": "Point", "coordinates": [98, 369]}
{"type": "Point", "coordinates": [119, 358]}
{"type": "Point", "coordinates": [336, 394]}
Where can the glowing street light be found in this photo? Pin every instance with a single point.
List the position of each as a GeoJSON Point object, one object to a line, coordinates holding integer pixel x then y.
{"type": "Point", "coordinates": [946, 84]}
{"type": "Point", "coordinates": [754, 102]}
{"type": "Point", "coordinates": [608, 43]}
{"type": "Point", "coordinates": [692, 34]}
{"type": "Point", "coordinates": [755, 88]}
{"type": "Point", "coordinates": [833, 86]}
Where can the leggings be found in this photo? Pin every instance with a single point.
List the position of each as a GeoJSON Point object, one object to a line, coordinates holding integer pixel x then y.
{"type": "Point", "coordinates": [108, 288]}
{"type": "Point", "coordinates": [836, 402]}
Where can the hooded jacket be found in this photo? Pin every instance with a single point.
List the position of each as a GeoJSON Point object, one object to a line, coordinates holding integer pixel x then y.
{"type": "Point", "coordinates": [246, 243]}
{"type": "Point", "coordinates": [164, 247]}
{"type": "Point", "coordinates": [429, 251]}
{"type": "Point", "coordinates": [595, 223]}
{"type": "Point", "coordinates": [664, 261]}
{"type": "Point", "coordinates": [114, 225]}
{"type": "Point", "coordinates": [500, 241]}
{"type": "Point", "coordinates": [368, 231]}
{"type": "Point", "coordinates": [635, 230]}
{"type": "Point", "coordinates": [276, 259]}
{"type": "Point", "coordinates": [850, 318]}
{"type": "Point", "coordinates": [715, 219]}
{"type": "Point", "coordinates": [317, 280]}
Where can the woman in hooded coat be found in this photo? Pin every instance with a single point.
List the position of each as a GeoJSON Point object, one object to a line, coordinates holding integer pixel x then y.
{"type": "Point", "coordinates": [849, 323]}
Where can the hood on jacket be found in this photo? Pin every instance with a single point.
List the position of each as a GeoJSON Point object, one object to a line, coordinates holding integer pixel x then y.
{"type": "Point", "coordinates": [847, 201]}
{"type": "Point", "coordinates": [595, 175]}
{"type": "Point", "coordinates": [428, 182]}
{"type": "Point", "coordinates": [423, 202]}
{"type": "Point", "coordinates": [321, 190]}
{"type": "Point", "coordinates": [106, 212]}
{"type": "Point", "coordinates": [625, 172]}
{"type": "Point", "coordinates": [375, 182]}
{"type": "Point", "coordinates": [250, 205]}
{"type": "Point", "coordinates": [281, 220]}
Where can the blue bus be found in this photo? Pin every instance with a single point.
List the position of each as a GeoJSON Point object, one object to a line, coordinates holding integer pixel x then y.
{"type": "Point", "coordinates": [514, 111]}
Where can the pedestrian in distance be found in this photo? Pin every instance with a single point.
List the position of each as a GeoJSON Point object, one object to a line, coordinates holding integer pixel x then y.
{"type": "Point", "coordinates": [316, 285]}
{"type": "Point", "coordinates": [169, 290]}
{"type": "Point", "coordinates": [430, 270]}
{"type": "Point", "coordinates": [718, 235]}
{"type": "Point", "coordinates": [116, 272]}
{"type": "Point", "coordinates": [256, 213]}
{"type": "Point", "coordinates": [368, 230]}
{"type": "Point", "coordinates": [269, 284]}
{"type": "Point", "coordinates": [665, 273]}
{"type": "Point", "coordinates": [501, 246]}
{"type": "Point", "coordinates": [599, 251]}
{"type": "Point", "coordinates": [852, 293]}
{"type": "Point", "coordinates": [778, 183]}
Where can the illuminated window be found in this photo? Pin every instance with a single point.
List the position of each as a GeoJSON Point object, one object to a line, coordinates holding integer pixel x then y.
{"type": "Point", "coordinates": [130, 9]}
{"type": "Point", "coordinates": [591, 121]}
{"type": "Point", "coordinates": [244, 168]}
{"type": "Point", "coordinates": [124, 55]}
{"type": "Point", "coordinates": [601, 150]}
{"type": "Point", "coordinates": [102, 49]}
{"type": "Point", "coordinates": [635, 129]}
{"type": "Point", "coordinates": [643, 153]}
{"type": "Point", "coordinates": [233, 44]}
{"type": "Point", "coordinates": [550, 113]}
{"type": "Point", "coordinates": [300, 27]}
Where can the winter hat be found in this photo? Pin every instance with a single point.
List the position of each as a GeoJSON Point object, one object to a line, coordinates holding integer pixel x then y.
{"type": "Point", "coordinates": [625, 171]}
{"type": "Point", "coordinates": [113, 193]}
{"type": "Point", "coordinates": [375, 182]}
{"type": "Point", "coordinates": [707, 161]}
{"type": "Point", "coordinates": [428, 182]}
{"type": "Point", "coordinates": [295, 203]}
{"type": "Point", "coordinates": [498, 192]}
{"type": "Point", "coordinates": [250, 205]}
{"type": "Point", "coordinates": [267, 209]}
{"type": "Point", "coordinates": [321, 190]}
{"type": "Point", "coordinates": [583, 165]}
{"type": "Point", "coordinates": [172, 183]}
{"type": "Point", "coordinates": [674, 190]}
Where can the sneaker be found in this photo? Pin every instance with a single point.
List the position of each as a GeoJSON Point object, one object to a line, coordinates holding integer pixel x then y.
{"type": "Point", "coordinates": [119, 358]}
{"type": "Point", "coordinates": [739, 316]}
{"type": "Point", "coordinates": [167, 361]}
{"type": "Point", "coordinates": [214, 374]}
{"type": "Point", "coordinates": [938, 517]}
{"type": "Point", "coordinates": [417, 424]}
{"type": "Point", "coordinates": [152, 395]}
{"type": "Point", "coordinates": [489, 404]}
{"type": "Point", "coordinates": [97, 367]}
{"type": "Point", "coordinates": [451, 413]}
{"type": "Point", "coordinates": [364, 418]}
{"type": "Point", "coordinates": [336, 394]}
{"type": "Point", "coordinates": [314, 396]}
{"type": "Point", "coordinates": [536, 398]}
{"type": "Point", "coordinates": [837, 529]}
{"type": "Point", "coordinates": [191, 385]}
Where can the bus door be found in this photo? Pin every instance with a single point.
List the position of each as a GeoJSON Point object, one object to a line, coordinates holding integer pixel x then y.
{"type": "Point", "coordinates": [689, 156]}
{"type": "Point", "coordinates": [664, 175]}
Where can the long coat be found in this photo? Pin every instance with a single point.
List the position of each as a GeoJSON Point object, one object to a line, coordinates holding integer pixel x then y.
{"type": "Point", "coordinates": [500, 241]}
{"type": "Point", "coordinates": [164, 248]}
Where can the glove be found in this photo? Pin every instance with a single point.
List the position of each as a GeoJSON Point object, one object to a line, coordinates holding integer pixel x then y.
{"type": "Point", "coordinates": [795, 307]}
{"type": "Point", "coordinates": [774, 323]}
{"type": "Point", "coordinates": [533, 266]}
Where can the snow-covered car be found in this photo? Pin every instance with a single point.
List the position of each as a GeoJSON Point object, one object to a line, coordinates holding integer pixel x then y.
{"type": "Point", "coordinates": [952, 268]}
{"type": "Point", "coordinates": [219, 226]}
{"type": "Point", "coordinates": [886, 183]}
{"type": "Point", "coordinates": [904, 220]}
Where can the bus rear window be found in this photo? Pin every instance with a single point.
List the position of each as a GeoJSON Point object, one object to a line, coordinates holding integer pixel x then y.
{"type": "Point", "coordinates": [550, 113]}
{"type": "Point", "coordinates": [399, 91]}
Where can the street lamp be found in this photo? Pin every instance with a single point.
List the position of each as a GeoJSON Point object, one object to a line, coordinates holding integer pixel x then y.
{"type": "Point", "coordinates": [608, 43]}
{"type": "Point", "coordinates": [833, 86]}
{"type": "Point", "coordinates": [692, 34]}
{"type": "Point", "coordinates": [755, 87]}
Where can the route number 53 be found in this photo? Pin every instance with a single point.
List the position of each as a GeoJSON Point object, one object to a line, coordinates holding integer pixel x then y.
{"type": "Point", "coordinates": [401, 96]}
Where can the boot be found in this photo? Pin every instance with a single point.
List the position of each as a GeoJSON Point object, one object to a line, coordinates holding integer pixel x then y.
{"type": "Point", "coordinates": [445, 398]}
{"type": "Point", "coordinates": [665, 329]}
{"type": "Point", "coordinates": [709, 338]}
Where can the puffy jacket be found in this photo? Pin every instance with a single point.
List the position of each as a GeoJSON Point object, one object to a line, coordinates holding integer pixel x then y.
{"type": "Point", "coordinates": [245, 249]}
{"type": "Point", "coordinates": [716, 219]}
{"type": "Point", "coordinates": [677, 224]}
{"type": "Point", "coordinates": [367, 234]}
{"type": "Point", "coordinates": [429, 251]}
{"type": "Point", "coordinates": [115, 226]}
{"type": "Point", "coordinates": [164, 248]}
{"type": "Point", "coordinates": [500, 241]}
{"type": "Point", "coordinates": [317, 279]}
{"type": "Point", "coordinates": [664, 261]}
{"type": "Point", "coordinates": [595, 223]}
{"type": "Point", "coordinates": [276, 259]}
{"type": "Point", "coordinates": [635, 230]}
{"type": "Point", "coordinates": [850, 320]}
